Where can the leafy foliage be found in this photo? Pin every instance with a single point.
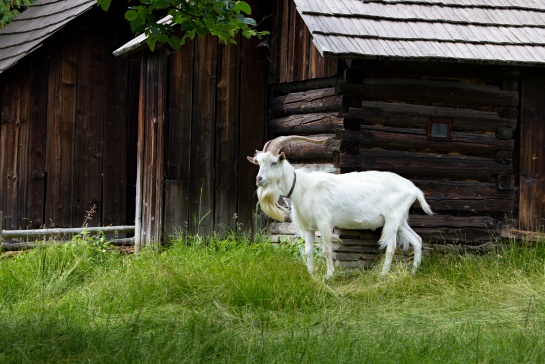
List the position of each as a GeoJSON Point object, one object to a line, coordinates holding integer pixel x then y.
{"type": "Point", "coordinates": [221, 18]}
{"type": "Point", "coordinates": [9, 9]}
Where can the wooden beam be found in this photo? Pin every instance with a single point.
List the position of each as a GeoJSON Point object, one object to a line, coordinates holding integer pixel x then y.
{"type": "Point", "coordinates": [438, 92]}
{"type": "Point", "coordinates": [415, 164]}
{"type": "Point", "coordinates": [524, 235]}
{"type": "Point", "coordinates": [417, 116]}
{"type": "Point", "coordinates": [313, 101]}
{"type": "Point", "coordinates": [417, 139]}
{"type": "Point", "coordinates": [305, 123]}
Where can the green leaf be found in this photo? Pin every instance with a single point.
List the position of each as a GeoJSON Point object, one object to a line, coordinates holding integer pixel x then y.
{"type": "Point", "coordinates": [162, 37]}
{"type": "Point", "coordinates": [190, 34]}
{"type": "Point", "coordinates": [130, 15]}
{"type": "Point", "coordinates": [250, 21]}
{"type": "Point", "coordinates": [241, 19]}
{"type": "Point", "coordinates": [151, 43]}
{"type": "Point", "coordinates": [244, 7]}
{"type": "Point", "coordinates": [104, 4]}
{"type": "Point", "coordinates": [201, 31]}
{"type": "Point", "coordinates": [174, 42]}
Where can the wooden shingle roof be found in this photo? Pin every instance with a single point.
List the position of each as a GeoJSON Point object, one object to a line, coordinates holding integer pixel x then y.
{"type": "Point", "coordinates": [33, 26]}
{"type": "Point", "coordinates": [490, 31]}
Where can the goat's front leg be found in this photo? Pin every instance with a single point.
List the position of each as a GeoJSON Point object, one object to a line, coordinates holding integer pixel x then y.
{"type": "Point", "coordinates": [308, 256]}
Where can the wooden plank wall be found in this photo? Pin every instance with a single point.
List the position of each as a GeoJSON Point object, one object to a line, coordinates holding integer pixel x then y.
{"type": "Point", "coordinates": [150, 156]}
{"type": "Point", "coordinates": [216, 117]}
{"type": "Point", "coordinates": [64, 131]}
{"type": "Point", "coordinates": [293, 55]}
{"type": "Point", "coordinates": [532, 151]}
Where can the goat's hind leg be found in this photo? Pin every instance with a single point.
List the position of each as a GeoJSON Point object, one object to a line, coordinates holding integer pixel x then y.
{"type": "Point", "coordinates": [388, 241]}
{"type": "Point", "coordinates": [308, 255]}
{"type": "Point", "coordinates": [415, 240]}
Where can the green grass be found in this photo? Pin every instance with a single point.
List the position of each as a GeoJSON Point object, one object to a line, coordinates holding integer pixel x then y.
{"type": "Point", "coordinates": [233, 301]}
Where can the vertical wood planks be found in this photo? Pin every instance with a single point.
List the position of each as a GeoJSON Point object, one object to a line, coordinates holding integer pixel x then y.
{"type": "Point", "coordinates": [226, 155]}
{"type": "Point", "coordinates": [150, 170]}
{"type": "Point", "coordinates": [132, 135]}
{"type": "Point", "coordinates": [283, 65]}
{"type": "Point", "coordinates": [252, 119]}
{"type": "Point", "coordinates": [53, 152]}
{"type": "Point", "coordinates": [150, 156]}
{"type": "Point", "coordinates": [532, 152]}
{"type": "Point", "coordinates": [178, 151]}
{"type": "Point", "coordinates": [275, 45]}
{"type": "Point", "coordinates": [160, 138]}
{"type": "Point", "coordinates": [115, 185]}
{"type": "Point", "coordinates": [9, 139]}
{"type": "Point", "coordinates": [294, 56]}
{"type": "Point", "coordinates": [302, 49]}
{"type": "Point", "coordinates": [22, 150]}
{"type": "Point", "coordinates": [60, 135]}
{"type": "Point", "coordinates": [202, 135]}
{"type": "Point", "coordinates": [88, 147]}
{"type": "Point", "coordinates": [139, 228]}
{"type": "Point", "coordinates": [35, 206]}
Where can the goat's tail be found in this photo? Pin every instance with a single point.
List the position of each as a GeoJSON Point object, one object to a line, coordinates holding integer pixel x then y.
{"type": "Point", "coordinates": [423, 202]}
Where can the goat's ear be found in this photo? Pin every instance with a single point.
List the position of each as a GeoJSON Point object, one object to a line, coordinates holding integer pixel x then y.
{"type": "Point", "coordinates": [281, 157]}
{"type": "Point", "coordinates": [252, 160]}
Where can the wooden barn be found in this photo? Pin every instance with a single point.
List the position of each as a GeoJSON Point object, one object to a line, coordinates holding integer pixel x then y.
{"type": "Point", "coordinates": [202, 110]}
{"type": "Point", "coordinates": [448, 94]}
{"type": "Point", "coordinates": [68, 121]}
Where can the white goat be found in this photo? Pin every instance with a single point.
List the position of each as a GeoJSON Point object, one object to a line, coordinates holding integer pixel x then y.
{"type": "Point", "coordinates": [321, 201]}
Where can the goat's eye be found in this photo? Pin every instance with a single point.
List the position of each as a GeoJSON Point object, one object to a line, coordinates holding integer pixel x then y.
{"type": "Point", "coordinates": [274, 163]}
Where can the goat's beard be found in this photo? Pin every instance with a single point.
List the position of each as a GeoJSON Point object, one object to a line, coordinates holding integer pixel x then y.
{"type": "Point", "coordinates": [268, 198]}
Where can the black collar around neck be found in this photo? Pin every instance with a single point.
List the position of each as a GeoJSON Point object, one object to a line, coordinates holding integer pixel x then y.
{"type": "Point", "coordinates": [293, 185]}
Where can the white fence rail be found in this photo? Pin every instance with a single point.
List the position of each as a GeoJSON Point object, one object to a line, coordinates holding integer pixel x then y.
{"type": "Point", "coordinates": [34, 234]}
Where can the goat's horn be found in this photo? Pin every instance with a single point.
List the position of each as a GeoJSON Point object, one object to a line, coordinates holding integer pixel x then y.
{"type": "Point", "coordinates": [276, 144]}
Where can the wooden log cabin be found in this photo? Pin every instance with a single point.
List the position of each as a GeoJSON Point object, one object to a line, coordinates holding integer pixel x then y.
{"type": "Point", "coordinates": [68, 111]}
{"type": "Point", "coordinates": [446, 94]}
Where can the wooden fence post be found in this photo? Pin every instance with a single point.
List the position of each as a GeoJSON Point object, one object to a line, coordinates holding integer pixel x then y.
{"type": "Point", "coordinates": [1, 220]}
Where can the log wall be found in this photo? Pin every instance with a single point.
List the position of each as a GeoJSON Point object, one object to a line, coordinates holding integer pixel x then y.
{"type": "Point", "coordinates": [377, 117]}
